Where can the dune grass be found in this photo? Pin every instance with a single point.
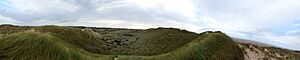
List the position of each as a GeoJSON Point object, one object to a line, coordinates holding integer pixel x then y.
{"type": "Point", "coordinates": [82, 38]}
{"type": "Point", "coordinates": [213, 46]}
{"type": "Point", "coordinates": [30, 45]}
{"type": "Point", "coordinates": [67, 43]}
{"type": "Point", "coordinates": [159, 41]}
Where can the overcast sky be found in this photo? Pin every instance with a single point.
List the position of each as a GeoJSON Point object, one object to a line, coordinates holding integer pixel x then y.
{"type": "Point", "coordinates": [275, 22]}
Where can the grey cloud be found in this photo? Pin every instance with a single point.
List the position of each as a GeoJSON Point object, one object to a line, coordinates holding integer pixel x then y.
{"type": "Point", "coordinates": [114, 10]}
{"type": "Point", "coordinates": [52, 14]}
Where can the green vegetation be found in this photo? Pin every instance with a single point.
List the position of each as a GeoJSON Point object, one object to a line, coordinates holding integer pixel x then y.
{"type": "Point", "coordinates": [213, 46]}
{"type": "Point", "coordinates": [68, 43]}
{"type": "Point", "coordinates": [82, 38]}
{"type": "Point", "coordinates": [31, 45]}
{"type": "Point", "coordinates": [161, 40]}
{"type": "Point", "coordinates": [9, 29]}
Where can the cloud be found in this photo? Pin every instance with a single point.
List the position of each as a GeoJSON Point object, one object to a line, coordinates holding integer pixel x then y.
{"type": "Point", "coordinates": [60, 11]}
{"type": "Point", "coordinates": [275, 22]}
{"type": "Point", "coordinates": [260, 20]}
{"type": "Point", "coordinates": [6, 20]}
{"type": "Point", "coordinates": [254, 13]}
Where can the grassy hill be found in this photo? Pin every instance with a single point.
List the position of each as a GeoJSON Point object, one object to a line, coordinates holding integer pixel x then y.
{"type": "Point", "coordinates": [73, 43]}
{"type": "Point", "coordinates": [161, 40]}
{"type": "Point", "coordinates": [30, 45]}
{"type": "Point", "coordinates": [209, 46]}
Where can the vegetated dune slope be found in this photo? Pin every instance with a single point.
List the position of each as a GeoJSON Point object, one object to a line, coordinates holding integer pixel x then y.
{"type": "Point", "coordinates": [261, 51]}
{"type": "Point", "coordinates": [31, 45]}
{"type": "Point", "coordinates": [79, 43]}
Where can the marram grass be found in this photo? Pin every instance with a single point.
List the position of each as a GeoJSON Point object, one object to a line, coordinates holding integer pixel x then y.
{"type": "Point", "coordinates": [66, 43]}
{"type": "Point", "coordinates": [30, 45]}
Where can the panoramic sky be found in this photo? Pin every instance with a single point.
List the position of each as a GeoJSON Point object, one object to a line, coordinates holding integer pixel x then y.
{"type": "Point", "coordinates": [275, 22]}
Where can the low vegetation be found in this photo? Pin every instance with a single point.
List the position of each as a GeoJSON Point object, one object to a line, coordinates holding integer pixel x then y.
{"type": "Point", "coordinates": [256, 52]}
{"type": "Point", "coordinates": [78, 43]}
{"type": "Point", "coordinates": [31, 45]}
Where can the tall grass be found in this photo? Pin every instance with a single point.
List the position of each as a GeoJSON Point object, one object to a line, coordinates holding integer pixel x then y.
{"type": "Point", "coordinates": [67, 43]}
{"type": "Point", "coordinates": [82, 38]}
{"type": "Point", "coordinates": [41, 46]}
{"type": "Point", "coordinates": [212, 46]}
{"type": "Point", "coordinates": [159, 41]}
